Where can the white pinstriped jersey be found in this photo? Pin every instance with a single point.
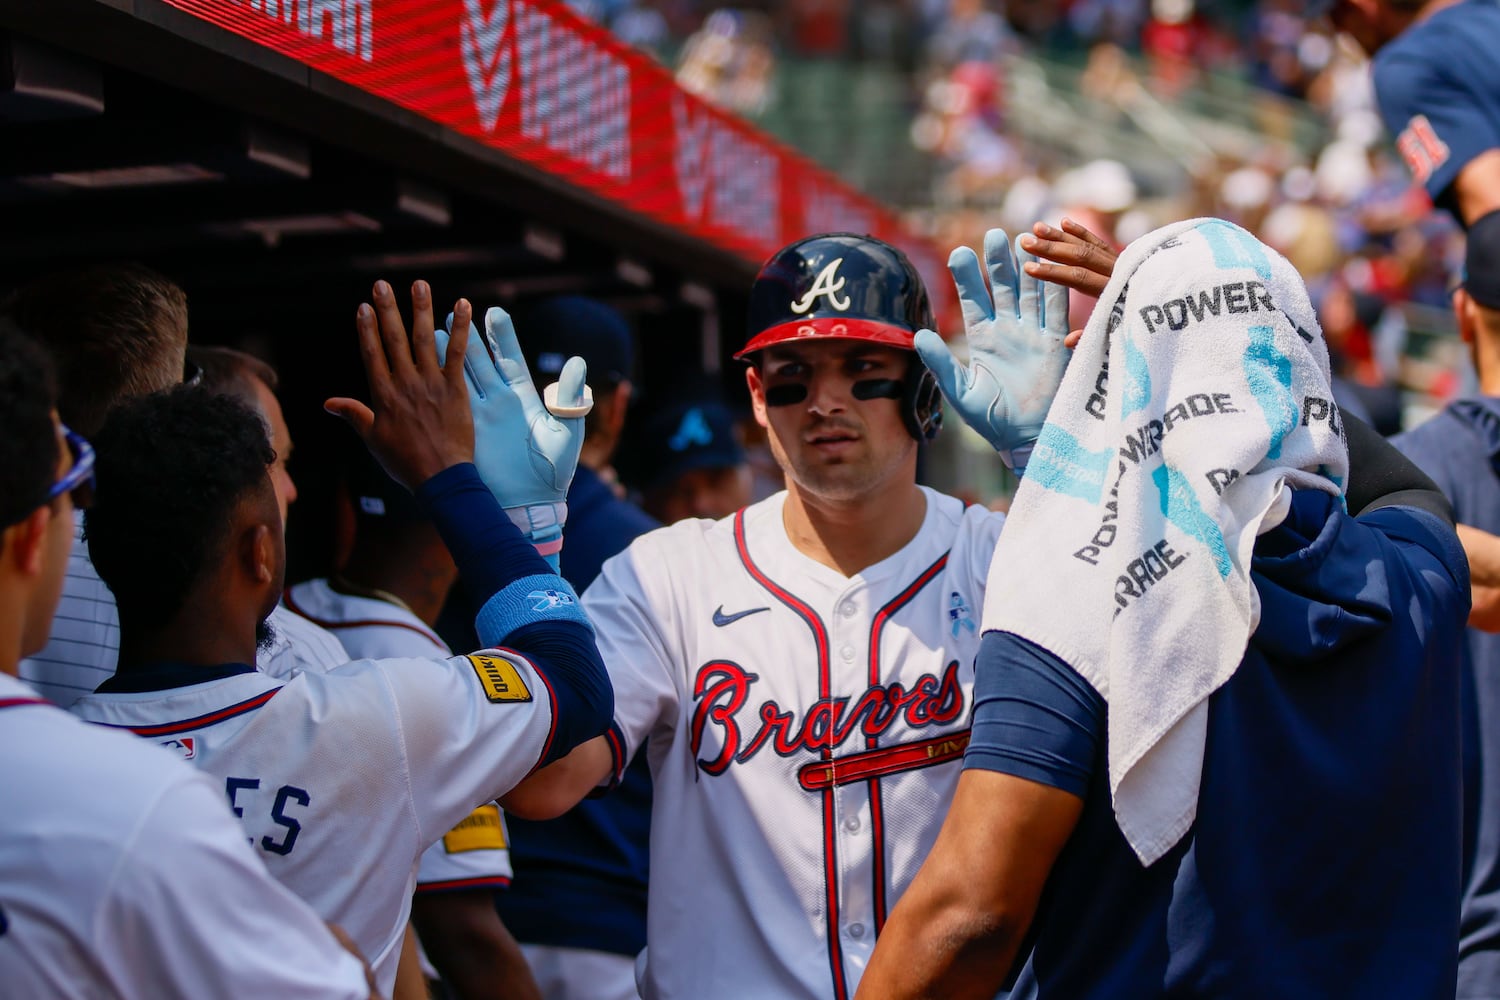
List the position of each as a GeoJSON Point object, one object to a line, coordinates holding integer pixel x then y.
{"type": "Point", "coordinates": [806, 734]}
{"type": "Point", "coordinates": [84, 643]}
{"type": "Point", "coordinates": [475, 853]}
{"type": "Point", "coordinates": [123, 875]}
{"type": "Point", "coordinates": [342, 779]}
{"type": "Point", "coordinates": [85, 638]}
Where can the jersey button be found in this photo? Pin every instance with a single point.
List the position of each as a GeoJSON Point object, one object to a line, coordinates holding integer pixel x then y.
{"type": "Point", "coordinates": [848, 609]}
{"type": "Point", "coordinates": [856, 930]}
{"type": "Point", "coordinates": [852, 824]}
{"type": "Point", "coordinates": [847, 652]}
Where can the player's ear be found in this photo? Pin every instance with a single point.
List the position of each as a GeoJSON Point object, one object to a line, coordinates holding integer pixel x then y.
{"type": "Point", "coordinates": [257, 552]}
{"type": "Point", "coordinates": [25, 541]}
{"type": "Point", "coordinates": [757, 394]}
{"type": "Point", "coordinates": [1466, 315]}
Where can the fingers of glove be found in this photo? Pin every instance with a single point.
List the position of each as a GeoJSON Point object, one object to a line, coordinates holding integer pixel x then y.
{"type": "Point", "coordinates": [571, 382]}
{"type": "Point", "coordinates": [484, 378]}
{"type": "Point", "coordinates": [950, 374]}
{"type": "Point", "coordinates": [1029, 300]}
{"type": "Point", "coordinates": [973, 292]}
{"type": "Point", "coordinates": [1055, 308]}
{"type": "Point", "coordinates": [501, 332]}
{"type": "Point", "coordinates": [1001, 264]}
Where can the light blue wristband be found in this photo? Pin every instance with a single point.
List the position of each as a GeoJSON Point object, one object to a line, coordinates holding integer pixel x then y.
{"type": "Point", "coordinates": [531, 599]}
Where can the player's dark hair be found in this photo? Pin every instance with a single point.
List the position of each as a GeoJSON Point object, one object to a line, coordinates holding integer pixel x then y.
{"type": "Point", "coordinates": [28, 444]}
{"type": "Point", "coordinates": [232, 372]}
{"type": "Point", "coordinates": [172, 467]}
{"type": "Point", "coordinates": [114, 333]}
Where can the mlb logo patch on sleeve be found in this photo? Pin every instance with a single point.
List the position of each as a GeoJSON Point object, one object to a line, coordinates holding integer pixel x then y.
{"type": "Point", "coordinates": [481, 830]}
{"type": "Point", "coordinates": [499, 677]}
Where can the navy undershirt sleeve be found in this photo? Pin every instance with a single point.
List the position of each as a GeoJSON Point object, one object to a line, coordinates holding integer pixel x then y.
{"type": "Point", "coordinates": [1034, 716]}
{"type": "Point", "coordinates": [491, 553]}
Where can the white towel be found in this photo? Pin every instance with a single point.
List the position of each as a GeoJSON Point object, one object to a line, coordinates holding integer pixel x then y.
{"type": "Point", "coordinates": [1198, 395]}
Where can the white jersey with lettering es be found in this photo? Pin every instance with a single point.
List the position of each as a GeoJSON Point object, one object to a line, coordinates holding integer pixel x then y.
{"type": "Point", "coordinates": [806, 732]}
{"type": "Point", "coordinates": [473, 855]}
{"type": "Point", "coordinates": [342, 779]}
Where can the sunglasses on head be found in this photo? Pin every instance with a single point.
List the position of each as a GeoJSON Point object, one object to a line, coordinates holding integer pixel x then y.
{"type": "Point", "coordinates": [79, 479]}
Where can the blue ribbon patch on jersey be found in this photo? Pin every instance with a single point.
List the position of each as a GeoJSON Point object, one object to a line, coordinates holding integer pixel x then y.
{"type": "Point", "coordinates": [499, 677]}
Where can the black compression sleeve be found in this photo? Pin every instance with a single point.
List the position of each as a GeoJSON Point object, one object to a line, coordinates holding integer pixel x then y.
{"type": "Point", "coordinates": [1380, 476]}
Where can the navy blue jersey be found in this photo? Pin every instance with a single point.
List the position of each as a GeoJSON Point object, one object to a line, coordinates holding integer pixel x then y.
{"type": "Point", "coordinates": [1460, 450]}
{"type": "Point", "coordinates": [1324, 860]}
{"type": "Point", "coordinates": [580, 879]}
{"type": "Point", "coordinates": [1438, 87]}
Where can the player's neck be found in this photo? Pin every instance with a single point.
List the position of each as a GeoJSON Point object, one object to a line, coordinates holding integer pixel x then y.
{"type": "Point", "coordinates": [852, 536]}
{"type": "Point", "coordinates": [197, 636]}
{"type": "Point", "coordinates": [419, 582]}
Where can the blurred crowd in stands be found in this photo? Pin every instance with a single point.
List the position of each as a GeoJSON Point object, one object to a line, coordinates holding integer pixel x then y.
{"type": "Point", "coordinates": [1169, 109]}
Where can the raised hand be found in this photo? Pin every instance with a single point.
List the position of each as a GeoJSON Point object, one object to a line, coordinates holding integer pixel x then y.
{"type": "Point", "coordinates": [525, 454]}
{"type": "Point", "coordinates": [418, 422]}
{"type": "Point", "coordinates": [1015, 327]}
{"type": "Point", "coordinates": [1074, 257]}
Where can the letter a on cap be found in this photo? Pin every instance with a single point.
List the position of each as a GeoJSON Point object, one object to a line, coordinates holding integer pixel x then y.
{"type": "Point", "coordinates": [824, 285]}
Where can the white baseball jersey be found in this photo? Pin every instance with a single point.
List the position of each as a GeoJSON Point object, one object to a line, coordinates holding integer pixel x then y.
{"type": "Point", "coordinates": [301, 644]}
{"type": "Point", "coordinates": [806, 735]}
{"type": "Point", "coordinates": [122, 874]}
{"type": "Point", "coordinates": [342, 779]}
{"type": "Point", "coordinates": [85, 639]}
{"type": "Point", "coordinates": [474, 854]}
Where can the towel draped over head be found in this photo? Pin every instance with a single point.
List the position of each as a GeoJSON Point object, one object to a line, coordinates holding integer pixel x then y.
{"type": "Point", "coordinates": [1197, 397]}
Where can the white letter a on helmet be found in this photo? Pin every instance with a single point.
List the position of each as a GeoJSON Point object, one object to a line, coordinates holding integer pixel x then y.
{"type": "Point", "coordinates": [825, 284]}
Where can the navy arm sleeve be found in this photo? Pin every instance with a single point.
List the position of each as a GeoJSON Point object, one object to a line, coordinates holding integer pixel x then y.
{"type": "Point", "coordinates": [1034, 716]}
{"type": "Point", "coordinates": [491, 553]}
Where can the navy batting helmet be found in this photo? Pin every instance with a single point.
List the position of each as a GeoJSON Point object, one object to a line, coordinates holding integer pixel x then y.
{"type": "Point", "coordinates": [850, 287]}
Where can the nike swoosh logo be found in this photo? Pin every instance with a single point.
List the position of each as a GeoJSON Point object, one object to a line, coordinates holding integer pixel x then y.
{"type": "Point", "coordinates": [721, 619]}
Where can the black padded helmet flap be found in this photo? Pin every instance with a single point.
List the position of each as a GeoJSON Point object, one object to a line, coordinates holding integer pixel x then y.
{"type": "Point", "coordinates": [852, 287]}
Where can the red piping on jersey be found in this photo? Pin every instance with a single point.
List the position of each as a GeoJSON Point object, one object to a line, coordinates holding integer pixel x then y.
{"type": "Point", "coordinates": [334, 626]}
{"type": "Point", "coordinates": [877, 811]}
{"type": "Point", "coordinates": [830, 858]}
{"type": "Point", "coordinates": [552, 701]}
{"type": "Point", "coordinates": [202, 721]}
{"type": "Point", "coordinates": [17, 702]}
{"type": "Point", "coordinates": [458, 884]}
{"type": "Point", "coordinates": [873, 764]}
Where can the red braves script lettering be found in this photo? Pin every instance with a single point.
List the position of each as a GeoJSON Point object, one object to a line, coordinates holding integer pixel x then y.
{"type": "Point", "coordinates": [348, 24]}
{"type": "Point", "coordinates": [722, 688]}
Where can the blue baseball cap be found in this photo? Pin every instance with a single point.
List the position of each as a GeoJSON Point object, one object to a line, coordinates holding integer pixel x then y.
{"type": "Point", "coordinates": [683, 437]}
{"type": "Point", "coordinates": [1481, 272]}
{"type": "Point", "coordinates": [559, 328]}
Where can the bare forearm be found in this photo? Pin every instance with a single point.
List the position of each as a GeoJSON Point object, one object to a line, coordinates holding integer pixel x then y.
{"type": "Point", "coordinates": [1483, 550]}
{"type": "Point", "coordinates": [558, 787]}
{"type": "Point", "coordinates": [476, 954]}
{"type": "Point", "coordinates": [938, 950]}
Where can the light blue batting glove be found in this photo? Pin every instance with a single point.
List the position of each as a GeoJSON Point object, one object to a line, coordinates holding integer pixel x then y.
{"type": "Point", "coordinates": [1016, 352]}
{"type": "Point", "coordinates": [525, 453]}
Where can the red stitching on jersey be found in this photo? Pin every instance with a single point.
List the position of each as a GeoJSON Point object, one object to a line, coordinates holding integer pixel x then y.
{"type": "Point", "coordinates": [872, 741]}
{"type": "Point", "coordinates": [456, 884]}
{"type": "Point", "coordinates": [830, 858]}
{"type": "Point", "coordinates": [552, 699]}
{"type": "Point", "coordinates": [334, 626]}
{"type": "Point", "coordinates": [17, 702]}
{"type": "Point", "coordinates": [202, 721]}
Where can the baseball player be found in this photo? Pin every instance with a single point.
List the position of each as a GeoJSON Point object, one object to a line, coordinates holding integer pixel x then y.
{"type": "Point", "coordinates": [382, 603]}
{"type": "Point", "coordinates": [1181, 778]}
{"type": "Point", "coordinates": [107, 843]}
{"type": "Point", "coordinates": [1437, 83]}
{"type": "Point", "coordinates": [803, 667]}
{"type": "Point", "coordinates": [342, 779]}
